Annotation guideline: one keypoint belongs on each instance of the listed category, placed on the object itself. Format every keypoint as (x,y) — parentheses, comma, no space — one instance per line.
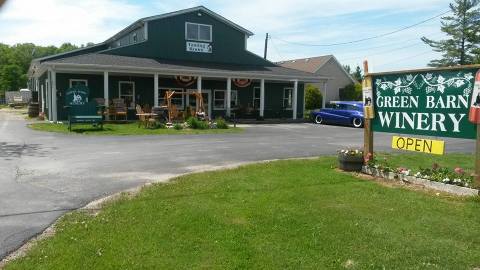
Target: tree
(463,38)
(12,78)
(357,74)
(351,92)
(348,69)
(313,97)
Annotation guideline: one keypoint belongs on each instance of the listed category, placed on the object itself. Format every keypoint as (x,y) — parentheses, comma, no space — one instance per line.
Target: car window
(342,106)
(353,108)
(330,105)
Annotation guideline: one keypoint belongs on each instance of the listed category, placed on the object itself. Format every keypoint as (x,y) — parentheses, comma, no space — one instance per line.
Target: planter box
(453,189)
(350,163)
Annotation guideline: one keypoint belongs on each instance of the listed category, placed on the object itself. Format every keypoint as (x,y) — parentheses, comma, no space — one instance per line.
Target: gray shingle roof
(312,64)
(114,62)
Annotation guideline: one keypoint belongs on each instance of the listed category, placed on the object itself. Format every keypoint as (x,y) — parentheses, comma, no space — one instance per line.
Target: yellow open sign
(418,145)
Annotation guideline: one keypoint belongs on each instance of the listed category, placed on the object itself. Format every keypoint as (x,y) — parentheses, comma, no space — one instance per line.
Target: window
(126,91)
(219,99)
(198,32)
(177,100)
(134,37)
(256,97)
(74,82)
(287,98)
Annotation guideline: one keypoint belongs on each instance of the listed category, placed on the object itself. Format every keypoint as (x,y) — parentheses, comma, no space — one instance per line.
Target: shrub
(352,92)
(194,123)
(177,126)
(221,123)
(313,97)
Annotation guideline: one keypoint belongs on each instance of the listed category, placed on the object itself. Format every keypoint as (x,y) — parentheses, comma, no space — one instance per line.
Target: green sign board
(431,103)
(76,95)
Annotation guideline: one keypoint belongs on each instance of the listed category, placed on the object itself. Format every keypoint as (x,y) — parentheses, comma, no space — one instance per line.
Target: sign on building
(76,95)
(199,47)
(432,103)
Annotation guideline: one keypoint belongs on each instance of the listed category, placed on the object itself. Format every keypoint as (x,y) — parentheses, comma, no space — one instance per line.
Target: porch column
(48,91)
(262,97)
(199,84)
(294,99)
(229,96)
(155,90)
(42,100)
(324,94)
(53,77)
(105,93)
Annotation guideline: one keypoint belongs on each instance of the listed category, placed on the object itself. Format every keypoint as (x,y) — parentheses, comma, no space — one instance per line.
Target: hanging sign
(474,113)
(76,95)
(418,145)
(242,82)
(367,98)
(199,47)
(185,81)
(431,103)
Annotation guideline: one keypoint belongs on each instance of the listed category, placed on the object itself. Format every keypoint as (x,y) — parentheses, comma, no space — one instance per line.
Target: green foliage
(461,47)
(357,74)
(221,123)
(352,92)
(313,97)
(15,61)
(177,126)
(195,123)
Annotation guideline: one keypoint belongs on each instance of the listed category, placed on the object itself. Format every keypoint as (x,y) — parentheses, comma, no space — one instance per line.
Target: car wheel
(357,122)
(318,119)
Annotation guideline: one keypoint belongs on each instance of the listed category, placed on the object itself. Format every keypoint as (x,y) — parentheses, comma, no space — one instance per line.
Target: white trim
(155,90)
(284,98)
(262,97)
(106,90)
(228,98)
(77,80)
(145,28)
(133,88)
(199,84)
(198,32)
(53,77)
(294,99)
(43,98)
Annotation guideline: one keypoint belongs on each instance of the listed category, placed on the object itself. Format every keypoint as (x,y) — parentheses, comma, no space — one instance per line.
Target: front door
(192,101)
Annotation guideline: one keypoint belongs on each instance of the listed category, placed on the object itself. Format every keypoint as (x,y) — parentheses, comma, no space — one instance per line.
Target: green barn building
(188,50)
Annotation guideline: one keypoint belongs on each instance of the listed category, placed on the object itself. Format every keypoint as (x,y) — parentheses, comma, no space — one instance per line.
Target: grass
(416,160)
(123,129)
(298,214)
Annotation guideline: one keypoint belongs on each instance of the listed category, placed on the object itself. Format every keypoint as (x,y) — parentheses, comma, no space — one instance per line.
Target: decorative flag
(185,81)
(474,113)
(368,112)
(242,82)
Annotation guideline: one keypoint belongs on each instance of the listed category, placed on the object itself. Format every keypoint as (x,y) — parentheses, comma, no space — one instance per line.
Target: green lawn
(298,214)
(123,129)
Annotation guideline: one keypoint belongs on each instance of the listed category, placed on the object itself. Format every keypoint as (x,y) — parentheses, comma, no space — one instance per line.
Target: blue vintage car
(340,112)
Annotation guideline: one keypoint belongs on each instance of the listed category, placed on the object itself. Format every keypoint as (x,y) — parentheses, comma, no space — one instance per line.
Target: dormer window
(198,32)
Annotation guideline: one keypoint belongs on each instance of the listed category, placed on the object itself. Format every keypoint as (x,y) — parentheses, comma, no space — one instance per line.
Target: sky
(311,22)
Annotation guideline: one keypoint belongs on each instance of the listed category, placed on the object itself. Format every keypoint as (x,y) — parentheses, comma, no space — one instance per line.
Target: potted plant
(350,160)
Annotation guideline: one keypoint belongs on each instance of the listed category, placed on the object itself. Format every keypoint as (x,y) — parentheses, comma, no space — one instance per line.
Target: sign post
(367,91)
(474,117)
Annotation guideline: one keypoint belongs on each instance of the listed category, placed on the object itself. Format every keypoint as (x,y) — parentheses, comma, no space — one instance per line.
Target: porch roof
(128,64)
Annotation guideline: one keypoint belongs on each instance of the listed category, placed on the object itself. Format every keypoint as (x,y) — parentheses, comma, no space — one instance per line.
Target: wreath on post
(242,82)
(185,81)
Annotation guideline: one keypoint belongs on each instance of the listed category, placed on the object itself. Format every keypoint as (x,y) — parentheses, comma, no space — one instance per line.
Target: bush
(221,123)
(177,126)
(313,97)
(351,92)
(194,123)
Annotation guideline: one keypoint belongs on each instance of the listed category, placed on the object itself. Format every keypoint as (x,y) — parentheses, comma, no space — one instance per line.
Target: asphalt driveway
(43,175)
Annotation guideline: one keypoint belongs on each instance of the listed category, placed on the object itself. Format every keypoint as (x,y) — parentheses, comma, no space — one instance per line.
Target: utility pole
(266,47)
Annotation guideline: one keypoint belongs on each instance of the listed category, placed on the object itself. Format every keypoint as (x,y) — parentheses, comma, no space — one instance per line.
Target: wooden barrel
(33,109)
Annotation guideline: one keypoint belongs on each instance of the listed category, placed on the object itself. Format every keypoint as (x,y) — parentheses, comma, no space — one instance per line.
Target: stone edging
(452,189)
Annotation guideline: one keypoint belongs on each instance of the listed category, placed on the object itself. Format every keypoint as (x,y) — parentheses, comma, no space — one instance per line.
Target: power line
(404,58)
(363,39)
(384,52)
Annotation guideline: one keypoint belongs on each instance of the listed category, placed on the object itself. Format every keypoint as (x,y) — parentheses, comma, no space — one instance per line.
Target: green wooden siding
(166,40)
(144,93)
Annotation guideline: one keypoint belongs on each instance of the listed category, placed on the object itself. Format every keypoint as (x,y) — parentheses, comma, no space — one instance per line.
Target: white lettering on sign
(199,47)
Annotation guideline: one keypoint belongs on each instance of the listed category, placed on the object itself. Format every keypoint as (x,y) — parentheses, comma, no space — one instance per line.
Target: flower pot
(350,163)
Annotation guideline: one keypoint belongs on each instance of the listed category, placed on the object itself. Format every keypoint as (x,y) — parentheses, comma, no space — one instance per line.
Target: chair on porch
(120,108)
(141,118)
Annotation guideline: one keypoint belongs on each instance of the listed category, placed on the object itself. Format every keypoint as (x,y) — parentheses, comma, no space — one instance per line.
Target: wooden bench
(87,113)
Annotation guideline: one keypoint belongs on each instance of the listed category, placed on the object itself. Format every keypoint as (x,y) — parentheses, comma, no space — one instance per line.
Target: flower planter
(452,189)
(350,163)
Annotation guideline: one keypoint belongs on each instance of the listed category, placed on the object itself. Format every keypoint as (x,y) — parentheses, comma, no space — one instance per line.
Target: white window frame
(70,82)
(234,93)
(215,108)
(161,98)
(286,98)
(198,32)
(259,98)
(134,38)
(133,94)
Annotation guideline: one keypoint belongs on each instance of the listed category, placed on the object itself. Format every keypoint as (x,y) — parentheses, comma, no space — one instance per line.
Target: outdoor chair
(141,118)
(120,108)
